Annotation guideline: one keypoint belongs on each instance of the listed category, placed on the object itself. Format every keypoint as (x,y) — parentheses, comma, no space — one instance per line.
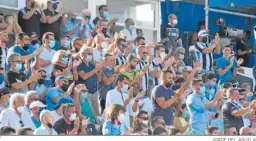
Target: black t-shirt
(53,27)
(14,77)
(172,44)
(30,25)
(62,127)
(229,119)
(240,46)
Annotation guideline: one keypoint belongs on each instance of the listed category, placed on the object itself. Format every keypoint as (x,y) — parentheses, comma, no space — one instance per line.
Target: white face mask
(72,117)
(175,21)
(104,45)
(145,122)
(152,52)
(162,55)
(124,88)
(20,109)
(121,118)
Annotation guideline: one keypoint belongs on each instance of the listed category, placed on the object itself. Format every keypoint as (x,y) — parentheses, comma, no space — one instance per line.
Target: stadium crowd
(61,75)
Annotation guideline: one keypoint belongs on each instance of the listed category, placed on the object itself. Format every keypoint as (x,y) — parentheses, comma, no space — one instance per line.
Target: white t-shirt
(55,116)
(130,36)
(97,55)
(9,118)
(47,55)
(43,131)
(114,97)
(3,57)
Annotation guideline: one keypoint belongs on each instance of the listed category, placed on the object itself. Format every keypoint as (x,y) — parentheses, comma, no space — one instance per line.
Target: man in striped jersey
(121,44)
(205,50)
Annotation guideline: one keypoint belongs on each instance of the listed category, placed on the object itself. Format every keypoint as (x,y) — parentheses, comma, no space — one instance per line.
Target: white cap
(203,33)
(37,104)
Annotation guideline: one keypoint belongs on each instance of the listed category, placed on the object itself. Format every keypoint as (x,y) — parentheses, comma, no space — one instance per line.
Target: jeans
(93,99)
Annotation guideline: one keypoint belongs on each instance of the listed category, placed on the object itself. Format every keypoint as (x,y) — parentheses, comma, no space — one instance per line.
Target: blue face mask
(52,44)
(181,69)
(212,85)
(131,27)
(7,103)
(84,95)
(67,44)
(18,67)
(1,78)
(106,15)
(185,114)
(202,91)
(65,60)
(89,58)
(182,56)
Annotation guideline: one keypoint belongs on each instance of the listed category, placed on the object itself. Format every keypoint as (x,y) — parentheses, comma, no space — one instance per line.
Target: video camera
(232,33)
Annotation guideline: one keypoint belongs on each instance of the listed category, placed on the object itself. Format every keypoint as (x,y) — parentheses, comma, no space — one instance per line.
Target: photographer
(243,52)
(30,17)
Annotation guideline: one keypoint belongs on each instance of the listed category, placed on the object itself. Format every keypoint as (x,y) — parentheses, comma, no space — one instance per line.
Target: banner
(231,3)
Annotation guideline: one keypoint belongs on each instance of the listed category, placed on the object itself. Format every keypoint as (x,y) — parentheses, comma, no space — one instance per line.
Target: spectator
(243,52)
(159,131)
(53,19)
(204,51)
(65,43)
(169,42)
(90,75)
(98,52)
(14,116)
(62,90)
(198,107)
(231,131)
(44,60)
(77,44)
(72,25)
(210,85)
(7,131)
(47,124)
(139,128)
(217,121)
(212,131)
(35,112)
(108,77)
(4,98)
(58,109)
(30,17)
(69,124)
(115,121)
(30,97)
(179,53)
(139,41)
(157,121)
(174,131)
(249,94)
(122,96)
(35,42)
(201,26)
(40,88)
(245,131)
(226,66)
(121,45)
(4,39)
(129,30)
(144,117)
(25,132)
(88,27)
(233,112)
(15,79)
(179,120)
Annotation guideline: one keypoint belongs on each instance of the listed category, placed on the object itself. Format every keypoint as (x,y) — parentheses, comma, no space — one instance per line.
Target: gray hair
(171,15)
(84,49)
(11,58)
(14,97)
(179,49)
(43,114)
(28,96)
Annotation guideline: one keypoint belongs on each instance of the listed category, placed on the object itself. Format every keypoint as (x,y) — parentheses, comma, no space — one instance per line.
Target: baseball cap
(53,1)
(63,101)
(33,34)
(203,33)
(60,77)
(36,104)
(4,91)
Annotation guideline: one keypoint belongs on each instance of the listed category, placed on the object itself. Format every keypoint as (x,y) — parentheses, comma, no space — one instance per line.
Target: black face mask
(64,87)
(25,47)
(34,42)
(49,125)
(205,40)
(88,18)
(73,19)
(54,6)
(133,67)
(40,81)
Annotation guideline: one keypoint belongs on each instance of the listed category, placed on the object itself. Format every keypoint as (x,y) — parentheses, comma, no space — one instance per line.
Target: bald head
(128,22)
(72,15)
(244,131)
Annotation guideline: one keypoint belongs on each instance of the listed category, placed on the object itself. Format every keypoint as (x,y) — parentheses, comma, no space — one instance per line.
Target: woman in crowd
(139,128)
(179,120)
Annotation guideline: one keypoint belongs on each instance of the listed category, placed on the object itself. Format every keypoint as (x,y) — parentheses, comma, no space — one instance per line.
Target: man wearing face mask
(90,75)
(138,42)
(170,42)
(88,27)
(198,107)
(101,46)
(43,61)
(62,90)
(179,53)
(53,19)
(30,97)
(15,79)
(46,127)
(129,30)
(65,43)
(4,98)
(121,95)
(205,50)
(58,108)
(34,40)
(121,45)
(70,124)
(72,25)
(14,116)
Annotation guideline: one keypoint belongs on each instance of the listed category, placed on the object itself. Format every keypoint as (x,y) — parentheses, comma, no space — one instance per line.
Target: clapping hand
(219,95)
(217,39)
(70,88)
(197,65)
(80,88)
(77,123)
(240,61)
(86,121)
(140,94)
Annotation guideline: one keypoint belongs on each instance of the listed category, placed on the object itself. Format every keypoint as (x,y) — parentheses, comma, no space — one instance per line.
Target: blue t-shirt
(71,26)
(50,95)
(167,114)
(103,89)
(110,129)
(222,63)
(36,123)
(92,82)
